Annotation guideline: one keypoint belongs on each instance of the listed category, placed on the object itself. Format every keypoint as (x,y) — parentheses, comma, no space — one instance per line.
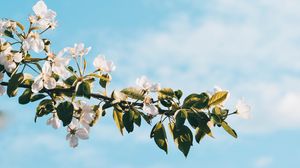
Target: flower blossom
(149,107)
(54,121)
(103,65)
(2,89)
(144,83)
(243,109)
(59,64)
(86,113)
(7,25)
(78,50)
(75,132)
(44,79)
(34,42)
(44,17)
(9,59)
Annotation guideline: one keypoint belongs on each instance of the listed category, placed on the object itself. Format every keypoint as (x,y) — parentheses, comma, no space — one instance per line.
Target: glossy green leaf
(128,120)
(25,97)
(118,120)
(14,83)
(37,97)
(134,93)
(198,101)
(180,117)
(166,93)
(178,94)
(228,129)
(159,134)
(183,139)
(218,98)
(199,135)
(65,112)
(84,89)
(45,107)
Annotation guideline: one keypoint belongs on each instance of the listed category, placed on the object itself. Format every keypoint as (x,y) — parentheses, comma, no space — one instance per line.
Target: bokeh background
(251,48)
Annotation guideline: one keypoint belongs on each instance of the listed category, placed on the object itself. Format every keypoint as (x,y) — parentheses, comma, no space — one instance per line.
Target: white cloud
(251,48)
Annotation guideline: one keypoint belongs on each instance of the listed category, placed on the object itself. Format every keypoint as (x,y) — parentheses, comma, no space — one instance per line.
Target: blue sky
(248,47)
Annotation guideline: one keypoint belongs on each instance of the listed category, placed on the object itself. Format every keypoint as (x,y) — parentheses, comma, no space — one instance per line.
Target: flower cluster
(62,84)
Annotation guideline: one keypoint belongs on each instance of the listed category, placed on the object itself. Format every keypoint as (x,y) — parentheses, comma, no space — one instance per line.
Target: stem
(72,90)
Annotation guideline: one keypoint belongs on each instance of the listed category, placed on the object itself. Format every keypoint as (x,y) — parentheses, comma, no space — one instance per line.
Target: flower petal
(49,83)
(37,85)
(82,133)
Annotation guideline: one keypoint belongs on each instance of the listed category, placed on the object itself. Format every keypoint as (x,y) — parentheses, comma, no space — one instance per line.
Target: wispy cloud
(249,47)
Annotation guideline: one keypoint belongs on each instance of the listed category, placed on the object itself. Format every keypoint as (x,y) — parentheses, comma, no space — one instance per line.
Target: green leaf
(199,120)
(8,33)
(134,93)
(14,83)
(45,107)
(137,118)
(218,98)
(1,68)
(84,90)
(166,102)
(180,117)
(118,120)
(65,112)
(25,97)
(198,101)
(183,139)
(37,97)
(166,93)
(146,118)
(70,81)
(128,119)
(178,94)
(199,135)
(160,137)
(104,81)
(228,129)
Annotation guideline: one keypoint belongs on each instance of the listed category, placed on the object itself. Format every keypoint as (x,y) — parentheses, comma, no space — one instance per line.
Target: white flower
(150,109)
(76,132)
(9,59)
(78,50)
(87,114)
(44,79)
(44,17)
(7,25)
(144,83)
(34,42)
(54,121)
(102,64)
(2,89)
(243,109)
(59,64)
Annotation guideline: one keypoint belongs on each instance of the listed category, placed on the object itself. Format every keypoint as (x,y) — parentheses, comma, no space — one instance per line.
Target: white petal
(18,57)
(37,84)
(68,136)
(2,90)
(26,45)
(40,8)
(82,133)
(243,109)
(47,68)
(37,45)
(155,87)
(49,83)
(10,66)
(73,141)
(150,109)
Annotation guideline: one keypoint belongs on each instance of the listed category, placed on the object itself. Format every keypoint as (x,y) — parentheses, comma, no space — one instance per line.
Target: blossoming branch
(59,81)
